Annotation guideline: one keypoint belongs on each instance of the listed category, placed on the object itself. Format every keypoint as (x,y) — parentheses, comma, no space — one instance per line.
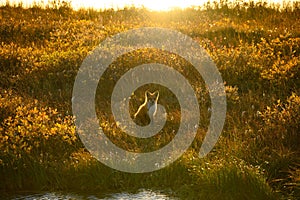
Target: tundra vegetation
(256,49)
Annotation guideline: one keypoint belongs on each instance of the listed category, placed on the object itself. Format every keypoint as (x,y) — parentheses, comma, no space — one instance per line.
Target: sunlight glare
(154,5)
(159,5)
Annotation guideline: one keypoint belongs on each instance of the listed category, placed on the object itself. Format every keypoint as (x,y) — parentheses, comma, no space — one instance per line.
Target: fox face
(147,110)
(152,99)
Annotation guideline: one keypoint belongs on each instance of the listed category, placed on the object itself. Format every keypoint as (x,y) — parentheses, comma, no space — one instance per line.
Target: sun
(163,5)
(159,5)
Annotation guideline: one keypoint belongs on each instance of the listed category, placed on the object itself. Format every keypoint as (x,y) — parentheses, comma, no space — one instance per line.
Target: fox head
(151,98)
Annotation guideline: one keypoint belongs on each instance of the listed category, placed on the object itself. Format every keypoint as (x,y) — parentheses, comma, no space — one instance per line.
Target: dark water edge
(140,194)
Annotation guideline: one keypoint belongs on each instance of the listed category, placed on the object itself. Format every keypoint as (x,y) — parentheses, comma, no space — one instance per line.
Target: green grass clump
(256,49)
(227,180)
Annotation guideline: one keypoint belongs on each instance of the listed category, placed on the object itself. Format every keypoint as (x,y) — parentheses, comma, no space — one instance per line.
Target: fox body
(147,110)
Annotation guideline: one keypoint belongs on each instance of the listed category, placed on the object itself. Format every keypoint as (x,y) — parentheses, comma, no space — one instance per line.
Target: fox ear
(147,93)
(156,93)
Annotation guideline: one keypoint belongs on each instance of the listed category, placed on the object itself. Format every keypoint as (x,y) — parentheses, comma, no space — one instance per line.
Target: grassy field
(255,47)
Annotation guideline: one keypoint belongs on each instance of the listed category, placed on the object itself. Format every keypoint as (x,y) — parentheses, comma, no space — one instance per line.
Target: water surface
(141,194)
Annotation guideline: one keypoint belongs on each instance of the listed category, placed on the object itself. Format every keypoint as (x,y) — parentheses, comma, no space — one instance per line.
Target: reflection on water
(141,194)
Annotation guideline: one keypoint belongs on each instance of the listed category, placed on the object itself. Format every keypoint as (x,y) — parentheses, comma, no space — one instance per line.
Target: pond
(141,194)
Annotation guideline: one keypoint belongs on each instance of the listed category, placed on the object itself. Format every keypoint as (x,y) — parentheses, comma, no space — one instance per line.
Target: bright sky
(150,4)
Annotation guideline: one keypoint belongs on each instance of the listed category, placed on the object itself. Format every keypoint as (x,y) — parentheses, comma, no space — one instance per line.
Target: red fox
(147,110)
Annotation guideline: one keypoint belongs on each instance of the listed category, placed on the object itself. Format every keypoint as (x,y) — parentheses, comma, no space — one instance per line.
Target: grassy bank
(256,49)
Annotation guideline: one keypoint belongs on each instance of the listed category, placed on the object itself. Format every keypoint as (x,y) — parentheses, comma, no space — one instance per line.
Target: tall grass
(256,49)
